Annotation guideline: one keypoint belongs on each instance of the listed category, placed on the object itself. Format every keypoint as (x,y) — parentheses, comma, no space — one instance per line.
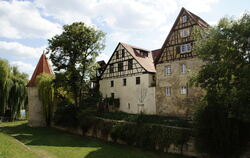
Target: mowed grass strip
(52,143)
(11,148)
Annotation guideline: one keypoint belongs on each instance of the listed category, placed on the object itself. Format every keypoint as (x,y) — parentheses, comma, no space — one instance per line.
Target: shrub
(217,134)
(66,115)
(155,119)
(141,135)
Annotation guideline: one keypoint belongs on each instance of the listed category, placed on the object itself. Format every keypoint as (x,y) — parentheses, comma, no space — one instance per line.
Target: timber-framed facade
(130,76)
(176,64)
(156,82)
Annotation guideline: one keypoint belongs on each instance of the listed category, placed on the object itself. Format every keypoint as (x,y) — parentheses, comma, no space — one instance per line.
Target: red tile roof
(146,62)
(43,66)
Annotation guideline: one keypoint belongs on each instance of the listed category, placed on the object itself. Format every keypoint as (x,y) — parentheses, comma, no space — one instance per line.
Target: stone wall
(177,104)
(36,117)
(93,131)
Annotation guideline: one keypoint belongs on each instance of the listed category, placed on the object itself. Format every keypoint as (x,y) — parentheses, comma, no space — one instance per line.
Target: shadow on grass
(42,136)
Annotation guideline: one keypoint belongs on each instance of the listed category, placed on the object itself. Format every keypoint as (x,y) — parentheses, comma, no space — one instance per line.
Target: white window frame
(184,19)
(183,68)
(183,90)
(168,70)
(168,91)
(184,48)
(185,32)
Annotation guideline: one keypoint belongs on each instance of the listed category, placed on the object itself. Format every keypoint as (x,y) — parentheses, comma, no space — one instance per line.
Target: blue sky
(26,25)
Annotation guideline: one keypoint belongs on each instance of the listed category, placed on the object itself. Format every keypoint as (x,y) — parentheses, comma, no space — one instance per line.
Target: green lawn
(17,140)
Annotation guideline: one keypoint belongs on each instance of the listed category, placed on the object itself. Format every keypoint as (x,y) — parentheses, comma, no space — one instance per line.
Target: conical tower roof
(43,66)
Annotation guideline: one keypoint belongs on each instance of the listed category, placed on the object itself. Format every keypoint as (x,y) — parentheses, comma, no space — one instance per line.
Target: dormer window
(184,19)
(142,52)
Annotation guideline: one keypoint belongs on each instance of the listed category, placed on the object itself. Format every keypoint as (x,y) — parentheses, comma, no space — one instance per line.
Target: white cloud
(198,6)
(117,14)
(23,67)
(19,51)
(118,37)
(21,19)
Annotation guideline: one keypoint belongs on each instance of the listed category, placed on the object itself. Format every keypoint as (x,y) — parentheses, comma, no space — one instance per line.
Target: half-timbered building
(175,65)
(130,76)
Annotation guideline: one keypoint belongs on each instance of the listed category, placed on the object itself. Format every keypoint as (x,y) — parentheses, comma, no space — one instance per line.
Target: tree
(4,73)
(45,86)
(73,55)
(12,90)
(17,91)
(222,122)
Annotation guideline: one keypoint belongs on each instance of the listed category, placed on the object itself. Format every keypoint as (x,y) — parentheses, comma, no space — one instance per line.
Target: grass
(11,148)
(51,143)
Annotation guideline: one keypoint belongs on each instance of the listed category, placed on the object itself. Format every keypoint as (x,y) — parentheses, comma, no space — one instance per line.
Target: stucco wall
(36,117)
(177,104)
(130,94)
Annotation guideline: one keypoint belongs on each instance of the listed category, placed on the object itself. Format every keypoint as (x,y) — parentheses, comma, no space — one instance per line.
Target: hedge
(148,136)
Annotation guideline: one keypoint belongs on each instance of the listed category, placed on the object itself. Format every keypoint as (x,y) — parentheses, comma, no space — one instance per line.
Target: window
(120,66)
(128,105)
(186,48)
(117,55)
(168,70)
(111,68)
(124,82)
(184,33)
(123,53)
(130,64)
(178,50)
(184,19)
(138,80)
(112,83)
(168,91)
(183,68)
(183,89)
(112,95)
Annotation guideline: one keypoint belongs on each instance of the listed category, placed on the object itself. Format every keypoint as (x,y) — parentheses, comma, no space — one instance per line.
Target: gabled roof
(196,18)
(102,64)
(146,62)
(43,66)
(156,53)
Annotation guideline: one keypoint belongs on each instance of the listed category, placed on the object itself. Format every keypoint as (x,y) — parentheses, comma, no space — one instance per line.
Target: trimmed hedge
(155,119)
(148,136)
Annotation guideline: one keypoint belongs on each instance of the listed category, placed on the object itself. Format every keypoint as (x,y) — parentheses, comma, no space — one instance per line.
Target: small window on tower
(111,83)
(184,19)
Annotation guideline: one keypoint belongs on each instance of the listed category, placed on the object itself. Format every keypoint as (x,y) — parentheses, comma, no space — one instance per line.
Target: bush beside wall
(147,136)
